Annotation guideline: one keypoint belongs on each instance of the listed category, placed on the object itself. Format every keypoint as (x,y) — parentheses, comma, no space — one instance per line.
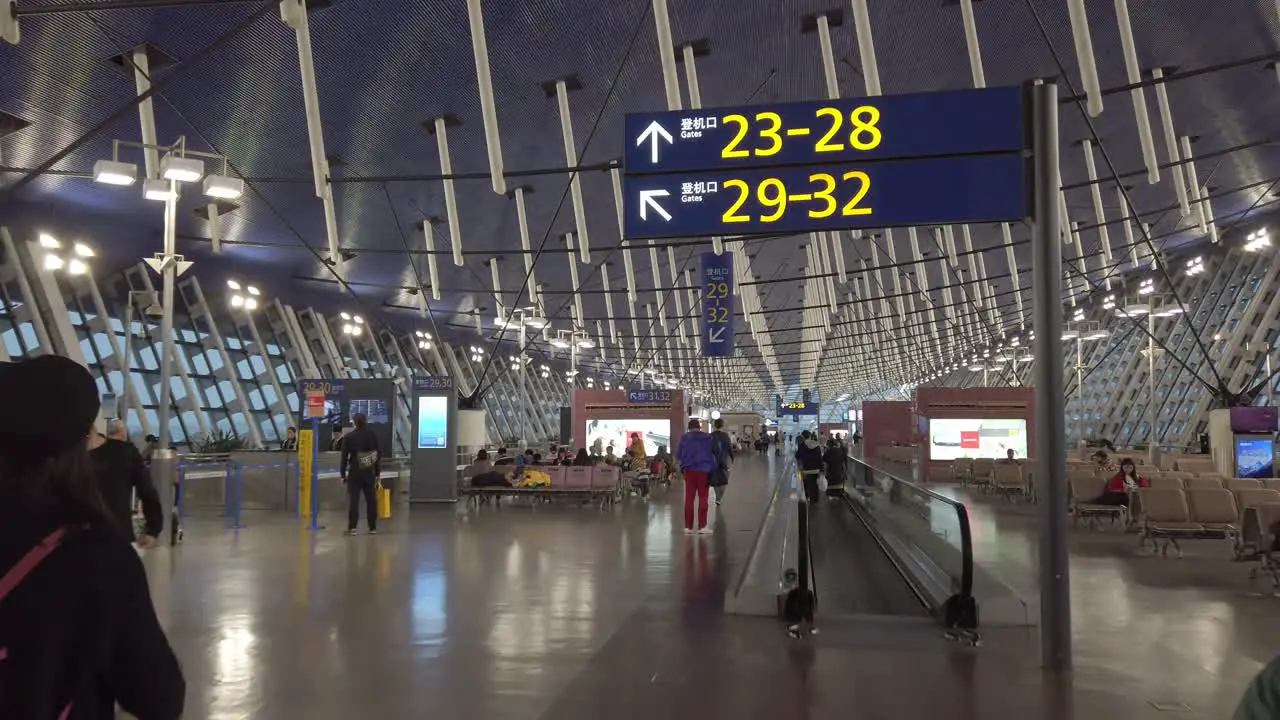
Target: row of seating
(1171,515)
(603,483)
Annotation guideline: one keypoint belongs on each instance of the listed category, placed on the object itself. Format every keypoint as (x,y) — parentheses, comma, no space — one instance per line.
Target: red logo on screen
(970,439)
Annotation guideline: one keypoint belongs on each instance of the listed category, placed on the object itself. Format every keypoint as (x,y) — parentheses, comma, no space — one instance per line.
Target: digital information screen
(433,421)
(1255,457)
(917,159)
(373,409)
(951,438)
(652,431)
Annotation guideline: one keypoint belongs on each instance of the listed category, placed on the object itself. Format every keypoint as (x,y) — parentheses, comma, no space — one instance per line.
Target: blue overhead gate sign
(896,160)
(716,272)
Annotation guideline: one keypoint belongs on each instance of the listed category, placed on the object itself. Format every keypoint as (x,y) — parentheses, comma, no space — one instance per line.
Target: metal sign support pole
(1051,450)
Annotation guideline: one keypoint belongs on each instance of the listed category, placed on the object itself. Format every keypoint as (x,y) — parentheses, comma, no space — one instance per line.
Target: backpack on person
(19,572)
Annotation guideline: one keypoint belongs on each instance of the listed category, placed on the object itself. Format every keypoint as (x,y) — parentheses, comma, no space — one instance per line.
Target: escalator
(853,574)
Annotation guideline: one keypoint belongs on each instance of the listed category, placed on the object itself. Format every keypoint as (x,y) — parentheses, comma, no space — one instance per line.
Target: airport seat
(1084,489)
(1203,482)
(1197,464)
(1214,509)
(1235,484)
(962,470)
(1165,515)
(573,478)
(1006,479)
(1257,539)
(1271,483)
(1249,541)
(605,478)
(1173,515)
(1164,482)
(982,469)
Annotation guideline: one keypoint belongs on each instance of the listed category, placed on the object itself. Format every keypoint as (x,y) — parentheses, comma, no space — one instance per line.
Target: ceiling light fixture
(223,187)
(159,190)
(114,172)
(181,169)
(1257,240)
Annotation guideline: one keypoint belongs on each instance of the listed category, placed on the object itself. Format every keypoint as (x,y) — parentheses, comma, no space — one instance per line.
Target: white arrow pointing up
(652,133)
(716,335)
(648,199)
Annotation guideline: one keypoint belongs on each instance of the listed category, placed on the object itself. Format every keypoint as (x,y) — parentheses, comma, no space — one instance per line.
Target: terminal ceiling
(385,69)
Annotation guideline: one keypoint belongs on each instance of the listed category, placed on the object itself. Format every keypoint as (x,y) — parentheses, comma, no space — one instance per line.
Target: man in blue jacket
(696,454)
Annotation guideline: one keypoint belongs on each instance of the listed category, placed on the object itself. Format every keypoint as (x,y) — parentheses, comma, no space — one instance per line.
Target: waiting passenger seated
(483,473)
(1123,485)
(582,459)
(1009,457)
(504,458)
(1103,461)
(480,465)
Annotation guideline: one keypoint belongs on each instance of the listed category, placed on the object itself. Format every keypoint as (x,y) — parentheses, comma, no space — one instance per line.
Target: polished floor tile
(565,612)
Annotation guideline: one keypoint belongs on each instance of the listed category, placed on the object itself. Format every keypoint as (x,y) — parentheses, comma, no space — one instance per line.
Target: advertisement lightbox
(952,438)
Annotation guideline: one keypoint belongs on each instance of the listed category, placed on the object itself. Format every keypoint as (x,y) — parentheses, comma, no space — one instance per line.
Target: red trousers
(695,490)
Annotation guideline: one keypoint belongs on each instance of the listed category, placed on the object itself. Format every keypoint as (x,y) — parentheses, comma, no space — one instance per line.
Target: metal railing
(926,534)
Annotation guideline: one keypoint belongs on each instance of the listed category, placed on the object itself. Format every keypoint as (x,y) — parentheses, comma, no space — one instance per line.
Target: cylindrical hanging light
(575,178)
(1099,213)
(667,54)
(627,262)
(828,58)
(484,84)
(497,284)
(428,234)
(1171,142)
(578,320)
(837,252)
(1201,195)
(1128,228)
(1084,56)
(1133,73)
(608,303)
(866,47)
(971,42)
(450,198)
(522,219)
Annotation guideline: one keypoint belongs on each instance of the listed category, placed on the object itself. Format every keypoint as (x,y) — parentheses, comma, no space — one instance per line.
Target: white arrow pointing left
(649,199)
(652,133)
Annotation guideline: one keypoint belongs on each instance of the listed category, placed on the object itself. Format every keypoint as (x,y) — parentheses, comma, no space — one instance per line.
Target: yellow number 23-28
(772,196)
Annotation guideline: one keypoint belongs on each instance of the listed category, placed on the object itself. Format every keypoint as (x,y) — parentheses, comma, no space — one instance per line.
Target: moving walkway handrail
(965,539)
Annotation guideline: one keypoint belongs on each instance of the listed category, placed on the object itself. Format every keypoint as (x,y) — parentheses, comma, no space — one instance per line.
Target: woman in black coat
(836,460)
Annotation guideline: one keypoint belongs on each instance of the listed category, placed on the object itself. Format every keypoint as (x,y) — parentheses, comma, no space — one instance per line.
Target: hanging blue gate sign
(717,304)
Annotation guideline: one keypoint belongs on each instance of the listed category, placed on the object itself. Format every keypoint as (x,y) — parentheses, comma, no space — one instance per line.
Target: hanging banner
(716,272)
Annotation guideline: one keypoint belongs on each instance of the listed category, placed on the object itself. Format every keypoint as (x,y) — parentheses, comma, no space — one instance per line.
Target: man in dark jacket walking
(121,473)
(809,460)
(360,467)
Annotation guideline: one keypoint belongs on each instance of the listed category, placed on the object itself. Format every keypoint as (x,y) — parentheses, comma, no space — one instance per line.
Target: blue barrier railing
(232,488)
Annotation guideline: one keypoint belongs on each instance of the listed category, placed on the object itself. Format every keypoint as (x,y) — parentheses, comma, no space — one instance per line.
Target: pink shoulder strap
(30,561)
